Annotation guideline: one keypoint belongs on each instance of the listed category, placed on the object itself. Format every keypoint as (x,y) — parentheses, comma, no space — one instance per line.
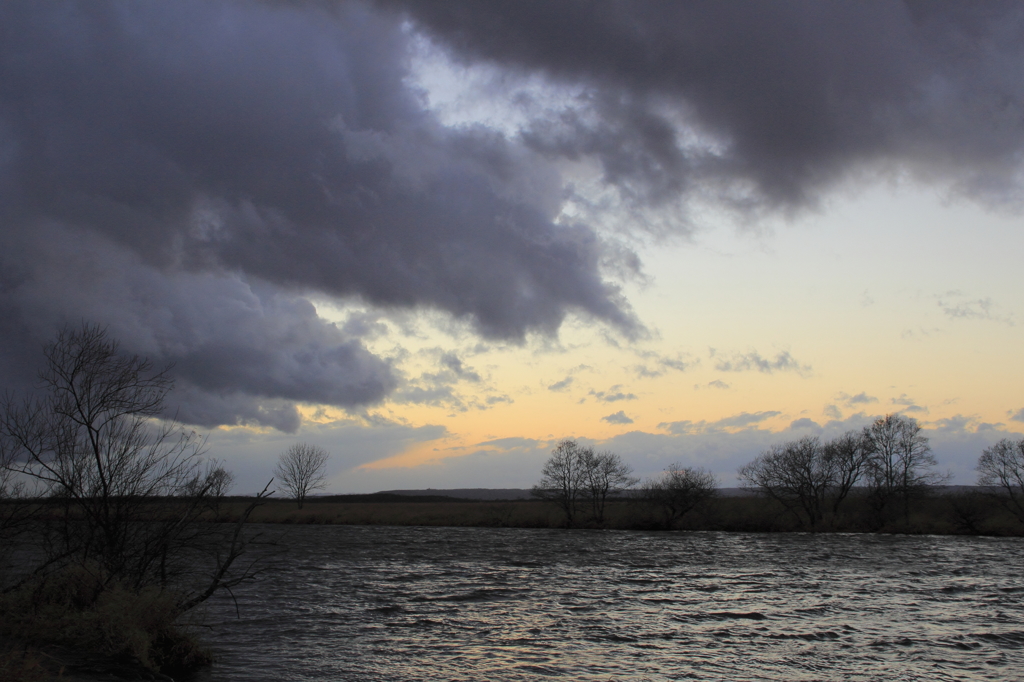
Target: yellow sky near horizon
(879,295)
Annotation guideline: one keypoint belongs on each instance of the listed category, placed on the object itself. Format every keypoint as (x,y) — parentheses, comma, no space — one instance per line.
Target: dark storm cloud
(185,173)
(762,104)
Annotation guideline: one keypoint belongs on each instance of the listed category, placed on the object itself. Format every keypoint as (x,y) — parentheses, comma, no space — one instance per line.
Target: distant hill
(504,493)
(465,493)
(480,494)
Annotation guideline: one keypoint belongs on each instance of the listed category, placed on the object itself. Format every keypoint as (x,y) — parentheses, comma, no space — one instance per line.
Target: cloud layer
(191,174)
(188,173)
(763,106)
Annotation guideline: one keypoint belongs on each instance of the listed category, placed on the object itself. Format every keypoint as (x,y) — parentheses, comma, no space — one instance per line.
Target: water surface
(383,603)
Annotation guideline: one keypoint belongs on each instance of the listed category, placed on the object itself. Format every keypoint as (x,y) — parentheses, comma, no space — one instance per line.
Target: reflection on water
(378,603)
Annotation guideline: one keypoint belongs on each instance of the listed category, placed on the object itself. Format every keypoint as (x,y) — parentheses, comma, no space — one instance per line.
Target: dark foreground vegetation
(106,540)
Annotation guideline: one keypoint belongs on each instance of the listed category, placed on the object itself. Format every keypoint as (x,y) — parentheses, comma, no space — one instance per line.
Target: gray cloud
(717,383)
(746,418)
(958,306)
(458,368)
(612,395)
(561,385)
(188,173)
(661,365)
(906,404)
(617,418)
(1018,416)
(861,398)
(832,412)
(743,420)
(783,362)
(805,424)
(514,443)
(191,173)
(443,387)
(763,106)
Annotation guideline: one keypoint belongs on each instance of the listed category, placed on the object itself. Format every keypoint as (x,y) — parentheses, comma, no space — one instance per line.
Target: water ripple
(376,603)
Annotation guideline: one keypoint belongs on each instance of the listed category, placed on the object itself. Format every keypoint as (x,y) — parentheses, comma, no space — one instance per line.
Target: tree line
(867,479)
(580,482)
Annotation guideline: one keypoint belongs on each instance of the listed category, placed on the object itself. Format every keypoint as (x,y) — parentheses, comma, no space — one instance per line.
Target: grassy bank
(944,514)
(77,624)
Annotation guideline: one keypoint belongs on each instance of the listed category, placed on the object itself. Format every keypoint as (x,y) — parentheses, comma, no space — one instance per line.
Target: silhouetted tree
(806,475)
(130,486)
(900,463)
(847,458)
(16,513)
(1001,471)
(563,478)
(795,474)
(301,470)
(604,473)
(677,491)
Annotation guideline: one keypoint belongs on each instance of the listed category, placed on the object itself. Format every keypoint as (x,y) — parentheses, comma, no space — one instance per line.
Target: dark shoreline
(958,512)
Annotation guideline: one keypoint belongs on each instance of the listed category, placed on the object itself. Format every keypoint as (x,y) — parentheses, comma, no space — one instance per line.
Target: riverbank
(74,625)
(961,513)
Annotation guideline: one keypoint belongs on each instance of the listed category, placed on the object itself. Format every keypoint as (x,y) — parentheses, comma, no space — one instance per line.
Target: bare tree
(900,463)
(215,482)
(563,478)
(847,458)
(16,512)
(796,475)
(301,470)
(804,475)
(1001,469)
(124,488)
(678,491)
(604,474)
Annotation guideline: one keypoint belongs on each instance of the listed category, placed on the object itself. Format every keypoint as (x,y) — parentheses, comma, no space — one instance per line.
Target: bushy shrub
(79,608)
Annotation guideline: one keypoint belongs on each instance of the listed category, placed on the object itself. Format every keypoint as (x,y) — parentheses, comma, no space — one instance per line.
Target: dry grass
(22,664)
(74,608)
(514,513)
(935,514)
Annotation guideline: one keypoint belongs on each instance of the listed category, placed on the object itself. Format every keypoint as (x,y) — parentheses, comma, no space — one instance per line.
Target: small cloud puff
(561,385)
(617,418)
(754,361)
(740,421)
(612,395)
(717,383)
(907,404)
(659,365)
(958,306)
(832,412)
(861,398)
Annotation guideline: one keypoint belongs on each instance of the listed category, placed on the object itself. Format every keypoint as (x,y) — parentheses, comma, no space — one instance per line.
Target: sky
(436,238)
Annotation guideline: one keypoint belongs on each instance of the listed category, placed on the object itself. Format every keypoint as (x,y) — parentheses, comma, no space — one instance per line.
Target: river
(398,603)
